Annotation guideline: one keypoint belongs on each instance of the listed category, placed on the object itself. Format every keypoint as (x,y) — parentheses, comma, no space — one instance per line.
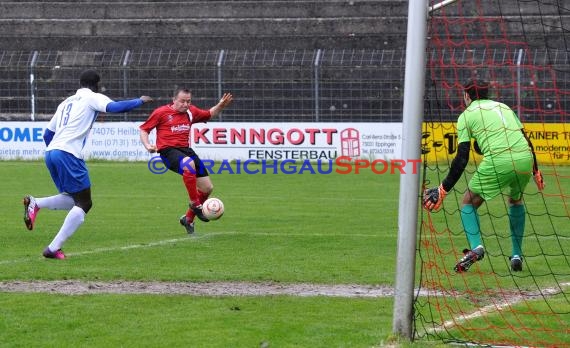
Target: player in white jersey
(65,137)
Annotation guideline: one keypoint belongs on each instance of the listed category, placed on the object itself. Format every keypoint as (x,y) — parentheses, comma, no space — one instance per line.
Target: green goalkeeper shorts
(495,175)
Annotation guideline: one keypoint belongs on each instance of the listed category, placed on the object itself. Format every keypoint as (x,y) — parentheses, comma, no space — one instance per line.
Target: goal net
(522,47)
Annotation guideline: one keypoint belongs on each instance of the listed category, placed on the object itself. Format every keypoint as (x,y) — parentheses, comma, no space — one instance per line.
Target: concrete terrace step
(203,26)
(214,24)
(201,42)
(136,28)
(200,9)
(252,9)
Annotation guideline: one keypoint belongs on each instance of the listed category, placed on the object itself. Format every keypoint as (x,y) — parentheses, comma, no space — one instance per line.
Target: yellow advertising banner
(551,142)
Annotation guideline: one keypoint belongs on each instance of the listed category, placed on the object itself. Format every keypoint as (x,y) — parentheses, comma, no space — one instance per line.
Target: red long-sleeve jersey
(173,127)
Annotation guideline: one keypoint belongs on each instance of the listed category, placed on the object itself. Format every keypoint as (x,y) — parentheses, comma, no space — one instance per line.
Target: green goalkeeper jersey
(495,127)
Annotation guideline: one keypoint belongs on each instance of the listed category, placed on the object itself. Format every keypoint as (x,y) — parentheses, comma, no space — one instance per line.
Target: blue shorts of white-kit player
(68,172)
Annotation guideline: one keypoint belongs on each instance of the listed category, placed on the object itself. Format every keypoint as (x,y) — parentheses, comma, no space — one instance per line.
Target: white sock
(72,221)
(57,202)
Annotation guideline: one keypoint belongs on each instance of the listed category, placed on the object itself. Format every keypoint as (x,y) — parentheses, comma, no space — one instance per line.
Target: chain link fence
(268,85)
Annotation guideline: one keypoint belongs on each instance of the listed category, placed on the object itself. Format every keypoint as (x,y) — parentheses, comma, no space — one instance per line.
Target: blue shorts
(68,172)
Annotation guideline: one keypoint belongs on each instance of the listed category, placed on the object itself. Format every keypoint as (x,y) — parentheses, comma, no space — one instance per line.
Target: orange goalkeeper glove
(433,197)
(539,181)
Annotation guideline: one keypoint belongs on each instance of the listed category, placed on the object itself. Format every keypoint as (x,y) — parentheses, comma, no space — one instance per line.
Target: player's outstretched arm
(127,105)
(226,100)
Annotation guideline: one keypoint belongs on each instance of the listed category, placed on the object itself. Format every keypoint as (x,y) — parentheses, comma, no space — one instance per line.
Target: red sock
(190,215)
(190,183)
(202,196)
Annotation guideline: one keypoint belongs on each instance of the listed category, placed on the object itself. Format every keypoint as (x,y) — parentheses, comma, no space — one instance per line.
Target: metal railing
(324,85)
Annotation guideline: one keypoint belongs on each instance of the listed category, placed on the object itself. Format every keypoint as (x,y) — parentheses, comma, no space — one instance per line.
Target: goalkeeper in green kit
(508,163)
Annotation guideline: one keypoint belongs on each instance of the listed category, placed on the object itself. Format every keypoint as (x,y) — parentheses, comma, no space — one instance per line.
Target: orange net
(523,49)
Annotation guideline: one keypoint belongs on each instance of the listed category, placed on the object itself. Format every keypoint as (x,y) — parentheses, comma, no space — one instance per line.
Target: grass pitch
(323,229)
(278,228)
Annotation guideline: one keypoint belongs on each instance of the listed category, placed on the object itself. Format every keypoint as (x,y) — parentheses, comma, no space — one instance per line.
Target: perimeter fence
(324,85)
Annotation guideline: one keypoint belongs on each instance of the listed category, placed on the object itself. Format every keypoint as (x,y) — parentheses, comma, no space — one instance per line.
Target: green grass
(284,228)
(278,228)
(186,321)
(325,229)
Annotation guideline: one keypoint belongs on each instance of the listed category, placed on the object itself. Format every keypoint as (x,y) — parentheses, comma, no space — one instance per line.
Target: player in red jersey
(173,123)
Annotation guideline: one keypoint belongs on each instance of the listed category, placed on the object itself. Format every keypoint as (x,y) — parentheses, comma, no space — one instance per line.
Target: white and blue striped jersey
(73,120)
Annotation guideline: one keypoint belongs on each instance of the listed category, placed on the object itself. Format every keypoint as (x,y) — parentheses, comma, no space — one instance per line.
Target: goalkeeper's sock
(517,222)
(470,221)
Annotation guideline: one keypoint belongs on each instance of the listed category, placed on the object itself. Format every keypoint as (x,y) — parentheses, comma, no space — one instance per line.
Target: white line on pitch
(493,308)
(151,244)
(132,246)
(186,239)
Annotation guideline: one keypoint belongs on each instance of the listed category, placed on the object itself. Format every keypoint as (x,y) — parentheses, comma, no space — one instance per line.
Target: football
(213,208)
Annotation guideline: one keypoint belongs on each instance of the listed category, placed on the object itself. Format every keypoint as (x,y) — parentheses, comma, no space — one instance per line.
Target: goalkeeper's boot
(516,263)
(469,258)
(197,210)
(188,225)
(30,211)
(58,254)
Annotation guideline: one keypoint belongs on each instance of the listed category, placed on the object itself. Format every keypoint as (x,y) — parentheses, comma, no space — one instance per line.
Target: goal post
(409,183)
